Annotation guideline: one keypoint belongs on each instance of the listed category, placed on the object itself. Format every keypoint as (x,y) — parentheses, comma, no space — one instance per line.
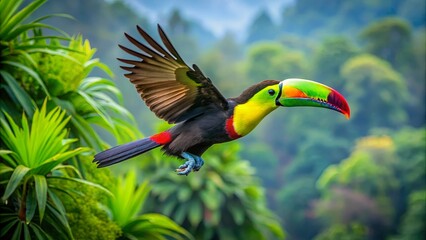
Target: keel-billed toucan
(183,95)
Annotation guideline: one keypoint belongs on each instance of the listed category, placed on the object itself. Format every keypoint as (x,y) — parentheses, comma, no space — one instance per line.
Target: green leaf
(15,180)
(17,233)
(30,72)
(216,179)
(41,194)
(26,232)
(71,168)
(237,213)
(57,202)
(39,232)
(19,93)
(181,212)
(211,203)
(4,169)
(89,65)
(195,213)
(54,52)
(59,222)
(14,220)
(19,17)
(8,9)
(168,207)
(39,48)
(51,163)
(275,228)
(155,223)
(61,15)
(86,132)
(184,193)
(139,196)
(88,183)
(126,190)
(32,26)
(7,217)
(31,205)
(5,156)
(99,110)
(215,218)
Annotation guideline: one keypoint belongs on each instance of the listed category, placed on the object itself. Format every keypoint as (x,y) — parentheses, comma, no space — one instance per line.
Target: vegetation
(225,202)
(44,193)
(134,226)
(34,175)
(320,176)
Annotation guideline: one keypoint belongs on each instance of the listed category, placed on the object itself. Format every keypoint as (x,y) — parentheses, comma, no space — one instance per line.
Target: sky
(219,16)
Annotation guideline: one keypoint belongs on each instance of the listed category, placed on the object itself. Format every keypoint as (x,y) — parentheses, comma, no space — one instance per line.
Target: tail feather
(123,152)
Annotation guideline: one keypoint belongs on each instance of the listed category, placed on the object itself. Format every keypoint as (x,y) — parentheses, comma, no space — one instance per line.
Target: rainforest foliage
(302,174)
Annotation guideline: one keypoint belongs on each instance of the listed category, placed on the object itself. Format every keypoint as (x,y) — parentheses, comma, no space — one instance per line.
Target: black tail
(123,152)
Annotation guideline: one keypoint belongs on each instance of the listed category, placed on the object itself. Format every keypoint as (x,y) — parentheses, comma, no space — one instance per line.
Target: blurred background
(321,175)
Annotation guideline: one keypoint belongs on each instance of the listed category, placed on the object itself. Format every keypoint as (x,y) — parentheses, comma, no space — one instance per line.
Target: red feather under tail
(123,152)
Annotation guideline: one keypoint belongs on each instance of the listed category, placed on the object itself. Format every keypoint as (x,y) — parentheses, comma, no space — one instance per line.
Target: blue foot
(193,163)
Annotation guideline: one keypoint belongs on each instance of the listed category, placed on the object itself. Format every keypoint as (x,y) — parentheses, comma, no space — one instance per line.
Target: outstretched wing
(170,88)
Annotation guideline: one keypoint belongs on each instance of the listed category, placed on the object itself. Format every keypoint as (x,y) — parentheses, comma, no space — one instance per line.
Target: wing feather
(170,88)
(155,56)
(168,44)
(154,44)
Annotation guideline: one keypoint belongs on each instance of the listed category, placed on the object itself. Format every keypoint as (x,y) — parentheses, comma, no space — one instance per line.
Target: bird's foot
(193,163)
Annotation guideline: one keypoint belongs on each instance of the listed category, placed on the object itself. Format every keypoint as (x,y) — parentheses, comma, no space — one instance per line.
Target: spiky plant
(32,175)
(135,226)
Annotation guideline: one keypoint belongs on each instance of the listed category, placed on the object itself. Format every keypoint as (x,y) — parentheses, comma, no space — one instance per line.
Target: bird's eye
(271,92)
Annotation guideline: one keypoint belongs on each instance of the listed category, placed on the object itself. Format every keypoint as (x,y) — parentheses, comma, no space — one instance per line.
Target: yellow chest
(248,115)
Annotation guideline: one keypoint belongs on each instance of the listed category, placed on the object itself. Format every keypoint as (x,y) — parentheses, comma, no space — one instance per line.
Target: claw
(198,163)
(193,163)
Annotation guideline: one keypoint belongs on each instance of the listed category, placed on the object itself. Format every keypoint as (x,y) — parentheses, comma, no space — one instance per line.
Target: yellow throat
(247,115)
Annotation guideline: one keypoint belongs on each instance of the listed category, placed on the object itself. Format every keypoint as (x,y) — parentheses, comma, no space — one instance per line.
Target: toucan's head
(270,94)
(299,92)
(260,99)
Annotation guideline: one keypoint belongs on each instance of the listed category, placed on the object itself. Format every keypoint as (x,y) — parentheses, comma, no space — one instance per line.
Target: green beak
(300,92)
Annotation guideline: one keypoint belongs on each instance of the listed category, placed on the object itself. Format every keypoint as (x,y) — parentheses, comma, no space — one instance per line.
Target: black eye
(271,92)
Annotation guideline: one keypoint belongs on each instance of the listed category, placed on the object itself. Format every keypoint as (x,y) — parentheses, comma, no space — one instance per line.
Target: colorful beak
(300,92)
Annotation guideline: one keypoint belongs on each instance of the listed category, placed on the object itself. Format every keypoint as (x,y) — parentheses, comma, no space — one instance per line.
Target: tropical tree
(363,183)
(413,224)
(35,66)
(374,158)
(221,65)
(388,39)
(269,60)
(298,219)
(414,73)
(262,28)
(365,74)
(225,201)
(410,143)
(328,59)
(33,175)
(179,28)
(352,232)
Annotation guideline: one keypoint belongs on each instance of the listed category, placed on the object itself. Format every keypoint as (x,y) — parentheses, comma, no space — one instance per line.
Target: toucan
(184,96)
